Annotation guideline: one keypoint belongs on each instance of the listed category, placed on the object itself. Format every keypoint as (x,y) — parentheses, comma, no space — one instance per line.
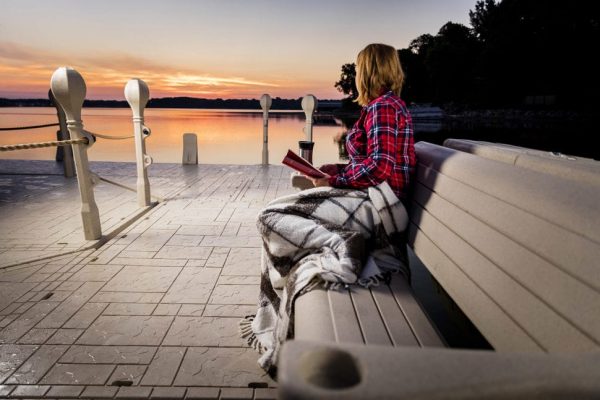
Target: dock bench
(515,245)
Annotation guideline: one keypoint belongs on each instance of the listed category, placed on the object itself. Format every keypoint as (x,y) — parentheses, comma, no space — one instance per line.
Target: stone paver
(167,309)
(5,390)
(30,391)
(65,336)
(265,394)
(65,392)
(243,261)
(191,310)
(86,315)
(234,294)
(157,306)
(78,374)
(129,309)
(108,355)
(127,297)
(193,285)
(128,373)
(25,322)
(99,273)
(133,392)
(229,310)
(168,393)
(237,394)
(36,336)
(126,330)
(184,252)
(234,367)
(99,392)
(164,366)
(12,357)
(12,291)
(142,279)
(204,331)
(37,365)
(69,307)
(202,393)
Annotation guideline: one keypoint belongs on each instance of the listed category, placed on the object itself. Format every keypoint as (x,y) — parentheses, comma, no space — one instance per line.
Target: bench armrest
(314,370)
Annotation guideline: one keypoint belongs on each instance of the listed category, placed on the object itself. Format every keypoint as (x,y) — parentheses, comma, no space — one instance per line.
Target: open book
(298,163)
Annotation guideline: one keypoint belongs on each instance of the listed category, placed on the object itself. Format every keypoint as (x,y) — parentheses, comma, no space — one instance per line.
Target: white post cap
(265,102)
(68,87)
(137,95)
(309,104)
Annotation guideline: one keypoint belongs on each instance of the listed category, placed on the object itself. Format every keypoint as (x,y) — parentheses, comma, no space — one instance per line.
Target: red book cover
(298,163)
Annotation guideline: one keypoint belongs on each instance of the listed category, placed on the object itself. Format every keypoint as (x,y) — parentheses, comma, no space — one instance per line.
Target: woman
(350,231)
(380,145)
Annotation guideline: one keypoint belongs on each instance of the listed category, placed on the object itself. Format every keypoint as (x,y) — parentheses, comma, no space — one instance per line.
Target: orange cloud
(27,70)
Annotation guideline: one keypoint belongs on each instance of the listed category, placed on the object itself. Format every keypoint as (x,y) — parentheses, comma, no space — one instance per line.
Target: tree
(347,83)
(482,18)
(532,48)
(421,44)
(449,61)
(416,82)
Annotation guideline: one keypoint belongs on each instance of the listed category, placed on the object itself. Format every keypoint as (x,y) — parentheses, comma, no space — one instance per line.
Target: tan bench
(516,248)
(387,314)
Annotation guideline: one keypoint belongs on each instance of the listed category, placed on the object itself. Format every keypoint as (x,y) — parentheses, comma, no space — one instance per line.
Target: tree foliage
(347,83)
(514,49)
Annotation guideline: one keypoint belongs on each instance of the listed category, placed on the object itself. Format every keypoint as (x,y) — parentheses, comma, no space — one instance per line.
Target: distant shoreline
(182,102)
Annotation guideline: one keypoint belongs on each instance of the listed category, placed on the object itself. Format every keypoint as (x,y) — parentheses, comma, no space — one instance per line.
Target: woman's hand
(329,169)
(320,181)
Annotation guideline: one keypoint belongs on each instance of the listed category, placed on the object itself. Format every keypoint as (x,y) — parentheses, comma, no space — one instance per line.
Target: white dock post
(190,149)
(309,105)
(265,104)
(64,154)
(68,87)
(137,95)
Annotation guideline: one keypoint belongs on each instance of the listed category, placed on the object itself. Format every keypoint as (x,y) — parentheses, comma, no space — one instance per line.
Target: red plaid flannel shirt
(380,146)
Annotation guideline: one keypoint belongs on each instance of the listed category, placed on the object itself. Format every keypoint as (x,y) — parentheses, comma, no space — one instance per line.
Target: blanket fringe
(374,280)
(315,282)
(371,281)
(248,335)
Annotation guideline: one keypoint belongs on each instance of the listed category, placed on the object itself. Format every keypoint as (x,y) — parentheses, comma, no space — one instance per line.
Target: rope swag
(12,147)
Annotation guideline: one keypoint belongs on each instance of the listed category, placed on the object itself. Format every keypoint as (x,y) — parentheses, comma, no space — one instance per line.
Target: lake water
(224,136)
(235,136)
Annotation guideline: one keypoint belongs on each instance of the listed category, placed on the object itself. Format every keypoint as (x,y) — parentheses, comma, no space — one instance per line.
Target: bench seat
(387,314)
(515,243)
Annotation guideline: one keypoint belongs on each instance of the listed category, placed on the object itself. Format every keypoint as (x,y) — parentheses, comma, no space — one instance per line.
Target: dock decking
(156,307)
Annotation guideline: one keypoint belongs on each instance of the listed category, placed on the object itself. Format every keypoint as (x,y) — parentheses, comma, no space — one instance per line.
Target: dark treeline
(177,102)
(515,53)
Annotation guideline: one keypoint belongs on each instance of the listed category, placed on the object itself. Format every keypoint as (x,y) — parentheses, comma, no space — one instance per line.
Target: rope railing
(67,92)
(111,137)
(69,89)
(25,146)
(21,128)
(56,143)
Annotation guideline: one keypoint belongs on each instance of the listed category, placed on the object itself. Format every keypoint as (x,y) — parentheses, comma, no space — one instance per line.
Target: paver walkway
(153,313)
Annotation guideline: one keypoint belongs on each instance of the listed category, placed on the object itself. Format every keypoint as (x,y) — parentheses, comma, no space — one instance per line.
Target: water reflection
(235,136)
(224,136)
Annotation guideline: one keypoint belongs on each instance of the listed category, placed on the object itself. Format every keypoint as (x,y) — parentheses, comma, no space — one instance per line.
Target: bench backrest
(517,249)
(584,170)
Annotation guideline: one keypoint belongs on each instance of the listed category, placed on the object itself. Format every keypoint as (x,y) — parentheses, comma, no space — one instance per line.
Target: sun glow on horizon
(27,73)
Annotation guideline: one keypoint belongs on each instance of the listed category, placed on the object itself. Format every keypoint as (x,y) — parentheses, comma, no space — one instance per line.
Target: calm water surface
(224,136)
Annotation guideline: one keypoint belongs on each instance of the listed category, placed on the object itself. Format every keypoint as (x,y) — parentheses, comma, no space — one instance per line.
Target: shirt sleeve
(381,126)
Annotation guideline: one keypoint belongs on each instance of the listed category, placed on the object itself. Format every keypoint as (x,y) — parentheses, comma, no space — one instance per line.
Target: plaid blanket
(321,236)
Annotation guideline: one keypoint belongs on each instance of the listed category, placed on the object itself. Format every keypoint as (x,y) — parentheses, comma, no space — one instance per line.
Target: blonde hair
(377,68)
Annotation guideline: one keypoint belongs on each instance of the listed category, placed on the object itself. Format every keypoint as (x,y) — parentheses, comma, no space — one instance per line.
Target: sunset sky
(204,48)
